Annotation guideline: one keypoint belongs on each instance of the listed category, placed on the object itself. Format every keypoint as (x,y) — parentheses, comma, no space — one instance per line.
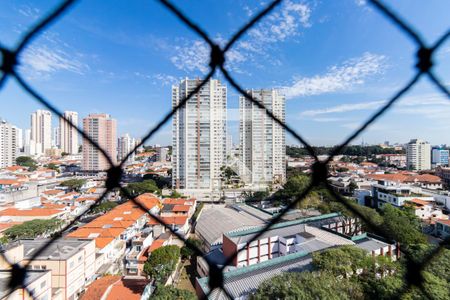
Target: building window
(43,284)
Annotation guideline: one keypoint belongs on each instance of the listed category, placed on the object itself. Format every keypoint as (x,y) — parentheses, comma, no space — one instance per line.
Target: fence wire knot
(424,56)
(217,57)
(9,61)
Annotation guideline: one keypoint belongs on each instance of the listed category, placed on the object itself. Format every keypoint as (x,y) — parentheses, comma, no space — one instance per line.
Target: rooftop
(213,222)
(30,277)
(245,280)
(60,249)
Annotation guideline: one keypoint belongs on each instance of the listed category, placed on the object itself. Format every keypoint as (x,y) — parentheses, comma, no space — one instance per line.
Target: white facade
(262,140)
(199,135)
(68,136)
(41,131)
(19,138)
(8,144)
(124,146)
(418,155)
(439,157)
(163,152)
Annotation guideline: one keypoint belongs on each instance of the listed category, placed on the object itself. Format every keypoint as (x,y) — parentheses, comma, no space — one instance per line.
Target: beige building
(71,263)
(68,135)
(41,131)
(418,155)
(101,128)
(37,285)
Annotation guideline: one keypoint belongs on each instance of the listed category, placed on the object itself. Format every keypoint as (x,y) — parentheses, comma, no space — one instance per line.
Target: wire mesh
(424,67)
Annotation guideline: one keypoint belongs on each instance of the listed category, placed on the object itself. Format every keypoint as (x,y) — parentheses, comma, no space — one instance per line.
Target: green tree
(73,184)
(26,161)
(104,207)
(160,181)
(342,261)
(175,194)
(33,229)
(162,263)
(187,251)
(352,187)
(64,154)
(402,225)
(138,188)
(52,166)
(169,292)
(308,285)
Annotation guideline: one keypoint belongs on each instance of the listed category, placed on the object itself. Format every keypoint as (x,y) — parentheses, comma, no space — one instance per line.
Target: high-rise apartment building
(162,154)
(418,155)
(101,128)
(19,139)
(199,135)
(262,140)
(8,144)
(124,146)
(68,135)
(439,157)
(41,131)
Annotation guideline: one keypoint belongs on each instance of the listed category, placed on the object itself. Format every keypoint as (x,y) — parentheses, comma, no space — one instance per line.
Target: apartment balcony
(131,265)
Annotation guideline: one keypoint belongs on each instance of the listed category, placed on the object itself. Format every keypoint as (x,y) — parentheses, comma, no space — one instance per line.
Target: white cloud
(343,108)
(29,11)
(351,73)
(282,24)
(165,79)
(433,106)
(41,61)
(360,2)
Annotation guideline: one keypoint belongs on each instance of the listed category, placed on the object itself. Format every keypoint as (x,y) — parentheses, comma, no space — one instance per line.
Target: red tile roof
(420,202)
(96,289)
(115,288)
(33,212)
(9,181)
(446,222)
(178,208)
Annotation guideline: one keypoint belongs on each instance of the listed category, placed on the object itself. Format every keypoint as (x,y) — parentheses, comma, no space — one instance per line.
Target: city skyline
(352,74)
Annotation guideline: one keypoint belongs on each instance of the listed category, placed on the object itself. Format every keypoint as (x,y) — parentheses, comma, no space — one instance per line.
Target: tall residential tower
(8,144)
(262,140)
(418,155)
(199,135)
(68,136)
(101,128)
(125,144)
(41,131)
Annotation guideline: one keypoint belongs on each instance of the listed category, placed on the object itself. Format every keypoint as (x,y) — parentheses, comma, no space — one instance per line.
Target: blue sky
(336,61)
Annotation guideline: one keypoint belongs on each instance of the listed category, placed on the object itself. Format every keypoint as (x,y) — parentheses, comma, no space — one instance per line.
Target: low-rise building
(443,228)
(23,215)
(113,231)
(68,262)
(285,247)
(395,194)
(425,210)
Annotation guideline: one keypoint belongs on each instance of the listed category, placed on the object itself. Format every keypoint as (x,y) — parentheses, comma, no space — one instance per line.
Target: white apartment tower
(101,128)
(8,144)
(418,155)
(124,146)
(68,136)
(262,140)
(41,131)
(199,135)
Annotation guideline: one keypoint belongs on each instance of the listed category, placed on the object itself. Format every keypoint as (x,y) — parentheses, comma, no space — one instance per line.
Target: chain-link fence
(424,66)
